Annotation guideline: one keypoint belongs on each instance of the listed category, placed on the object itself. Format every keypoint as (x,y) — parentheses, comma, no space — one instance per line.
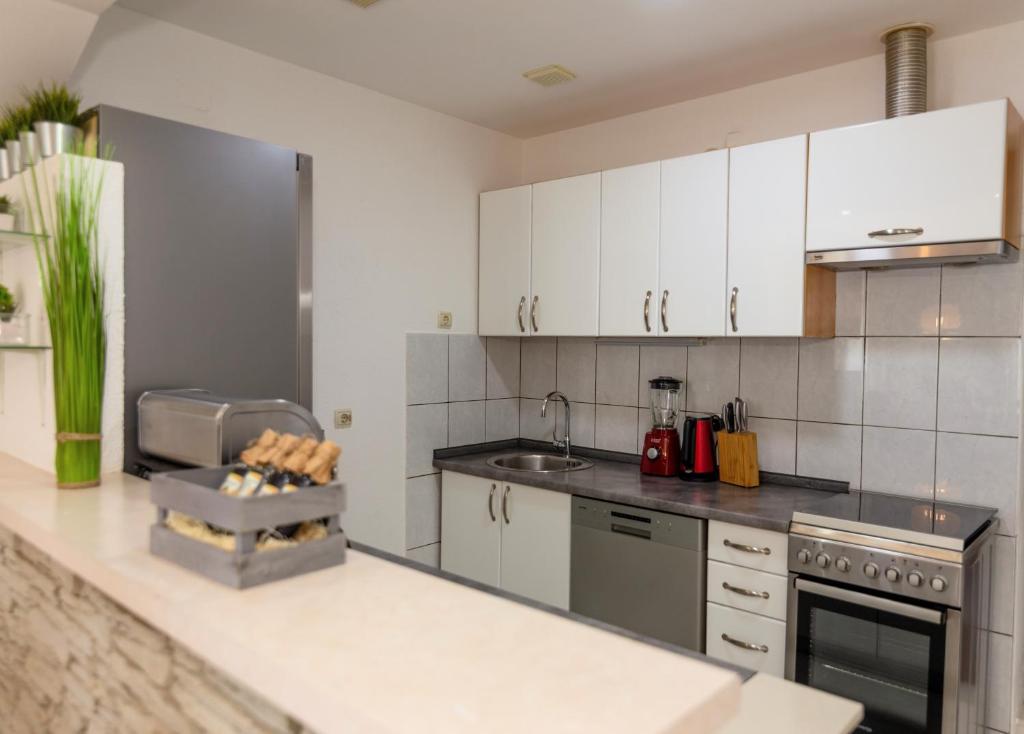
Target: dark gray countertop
(770,506)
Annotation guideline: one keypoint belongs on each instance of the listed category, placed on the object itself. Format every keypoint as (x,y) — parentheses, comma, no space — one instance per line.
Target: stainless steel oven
(892,619)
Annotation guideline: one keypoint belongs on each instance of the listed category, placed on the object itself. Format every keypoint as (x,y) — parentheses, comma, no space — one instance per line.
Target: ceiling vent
(364,3)
(549,76)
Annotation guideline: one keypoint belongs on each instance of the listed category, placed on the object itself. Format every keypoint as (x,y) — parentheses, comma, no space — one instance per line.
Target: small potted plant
(54,114)
(6,214)
(16,121)
(8,306)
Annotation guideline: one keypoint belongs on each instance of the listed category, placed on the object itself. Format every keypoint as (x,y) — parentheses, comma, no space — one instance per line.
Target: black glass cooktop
(881,514)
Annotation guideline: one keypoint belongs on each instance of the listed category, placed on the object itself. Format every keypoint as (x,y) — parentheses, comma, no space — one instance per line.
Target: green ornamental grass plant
(65,212)
(6,205)
(7,303)
(53,103)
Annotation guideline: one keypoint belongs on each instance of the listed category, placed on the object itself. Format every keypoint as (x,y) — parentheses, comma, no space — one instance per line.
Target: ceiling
(466,57)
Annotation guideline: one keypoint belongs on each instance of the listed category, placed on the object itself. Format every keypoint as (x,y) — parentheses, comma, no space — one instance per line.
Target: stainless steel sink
(539,463)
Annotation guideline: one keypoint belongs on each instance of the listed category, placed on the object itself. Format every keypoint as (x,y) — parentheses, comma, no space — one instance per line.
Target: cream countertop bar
(371,645)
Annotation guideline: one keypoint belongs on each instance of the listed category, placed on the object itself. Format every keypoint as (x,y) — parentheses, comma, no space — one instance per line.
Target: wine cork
(250,457)
(321,465)
(297,460)
(284,446)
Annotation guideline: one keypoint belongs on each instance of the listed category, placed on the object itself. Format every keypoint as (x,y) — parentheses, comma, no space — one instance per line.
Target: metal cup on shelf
(5,165)
(15,161)
(56,138)
(29,147)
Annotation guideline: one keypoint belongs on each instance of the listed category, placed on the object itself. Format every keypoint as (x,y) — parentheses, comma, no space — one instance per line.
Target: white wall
(395,219)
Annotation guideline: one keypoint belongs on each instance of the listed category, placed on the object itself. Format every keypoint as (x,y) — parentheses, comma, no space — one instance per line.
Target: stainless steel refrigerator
(218,264)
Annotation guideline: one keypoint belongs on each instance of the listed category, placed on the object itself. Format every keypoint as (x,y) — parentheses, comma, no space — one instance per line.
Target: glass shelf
(11,240)
(24,347)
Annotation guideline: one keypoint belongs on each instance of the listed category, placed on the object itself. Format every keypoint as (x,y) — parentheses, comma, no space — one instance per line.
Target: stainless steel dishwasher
(639,569)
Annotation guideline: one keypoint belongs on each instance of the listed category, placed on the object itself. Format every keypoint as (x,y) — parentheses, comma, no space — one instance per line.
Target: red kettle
(698,459)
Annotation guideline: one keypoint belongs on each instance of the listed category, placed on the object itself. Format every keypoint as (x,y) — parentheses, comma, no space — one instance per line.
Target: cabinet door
(535,543)
(504,284)
(629,250)
(566,255)
(767,195)
(470,538)
(731,633)
(694,218)
(941,172)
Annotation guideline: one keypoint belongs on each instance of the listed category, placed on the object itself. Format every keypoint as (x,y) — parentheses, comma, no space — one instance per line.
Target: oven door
(898,659)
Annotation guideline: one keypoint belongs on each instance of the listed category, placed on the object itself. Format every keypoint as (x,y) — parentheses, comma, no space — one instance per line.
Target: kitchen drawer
(746,579)
(763,550)
(744,627)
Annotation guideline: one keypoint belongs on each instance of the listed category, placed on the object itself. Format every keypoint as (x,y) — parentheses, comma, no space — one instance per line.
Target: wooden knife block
(737,459)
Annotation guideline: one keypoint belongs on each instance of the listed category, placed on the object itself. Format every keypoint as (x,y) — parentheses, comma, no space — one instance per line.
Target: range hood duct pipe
(906,69)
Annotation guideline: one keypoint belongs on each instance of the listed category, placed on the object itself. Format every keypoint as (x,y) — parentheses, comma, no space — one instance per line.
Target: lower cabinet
(507,535)
(746,639)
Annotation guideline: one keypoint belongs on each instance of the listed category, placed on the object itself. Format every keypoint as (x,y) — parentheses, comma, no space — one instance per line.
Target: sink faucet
(565,442)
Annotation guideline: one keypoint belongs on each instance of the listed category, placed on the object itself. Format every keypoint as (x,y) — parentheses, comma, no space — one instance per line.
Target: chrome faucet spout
(566,442)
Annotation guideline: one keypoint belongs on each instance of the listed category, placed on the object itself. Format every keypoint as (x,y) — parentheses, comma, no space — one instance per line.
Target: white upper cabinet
(629,250)
(505,231)
(935,177)
(767,195)
(566,256)
(694,221)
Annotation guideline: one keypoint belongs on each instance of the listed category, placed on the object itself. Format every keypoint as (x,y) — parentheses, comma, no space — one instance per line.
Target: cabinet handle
(519,315)
(664,312)
(490,502)
(533,314)
(896,231)
(647,312)
(504,504)
(747,548)
(732,306)
(744,592)
(744,645)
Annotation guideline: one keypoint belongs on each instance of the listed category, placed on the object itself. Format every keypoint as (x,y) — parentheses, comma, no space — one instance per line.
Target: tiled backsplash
(918,395)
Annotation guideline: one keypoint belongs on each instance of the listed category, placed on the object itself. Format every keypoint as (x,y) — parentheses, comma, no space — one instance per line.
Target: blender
(661,444)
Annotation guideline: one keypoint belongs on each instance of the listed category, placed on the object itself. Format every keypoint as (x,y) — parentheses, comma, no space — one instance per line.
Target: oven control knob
(804,556)
(871,570)
(915,579)
(939,584)
(823,559)
(843,564)
(892,574)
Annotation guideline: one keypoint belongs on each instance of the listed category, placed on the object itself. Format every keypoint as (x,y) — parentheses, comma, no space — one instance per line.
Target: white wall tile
(502,367)
(466,423)
(829,451)
(467,367)
(1000,668)
(426,429)
(978,385)
(426,368)
(615,428)
(422,511)
(712,375)
(661,361)
(899,461)
(900,381)
(583,423)
(577,364)
(831,380)
(979,470)
(531,425)
(768,376)
(501,419)
(1004,562)
(903,302)
(776,444)
(982,300)
(618,373)
(538,367)
(850,289)
(429,555)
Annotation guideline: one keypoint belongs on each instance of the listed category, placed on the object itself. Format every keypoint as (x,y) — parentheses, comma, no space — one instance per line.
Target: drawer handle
(490,502)
(647,312)
(894,231)
(519,315)
(744,592)
(744,645)
(747,548)
(664,312)
(504,505)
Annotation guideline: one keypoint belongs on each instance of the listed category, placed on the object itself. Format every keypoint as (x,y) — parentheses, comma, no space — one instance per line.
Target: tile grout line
(938,377)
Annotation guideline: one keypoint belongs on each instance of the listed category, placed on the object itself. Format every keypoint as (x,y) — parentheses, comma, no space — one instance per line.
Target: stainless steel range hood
(915,256)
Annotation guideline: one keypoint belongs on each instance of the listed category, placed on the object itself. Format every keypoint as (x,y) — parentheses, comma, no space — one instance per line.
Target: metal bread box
(197,428)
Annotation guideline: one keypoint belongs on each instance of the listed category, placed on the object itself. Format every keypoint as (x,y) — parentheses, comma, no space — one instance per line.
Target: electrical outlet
(343,418)
(444,320)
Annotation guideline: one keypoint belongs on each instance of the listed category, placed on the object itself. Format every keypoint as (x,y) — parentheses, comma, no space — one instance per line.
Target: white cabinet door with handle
(536,525)
(694,220)
(629,250)
(767,197)
(504,284)
(921,179)
(566,256)
(471,527)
